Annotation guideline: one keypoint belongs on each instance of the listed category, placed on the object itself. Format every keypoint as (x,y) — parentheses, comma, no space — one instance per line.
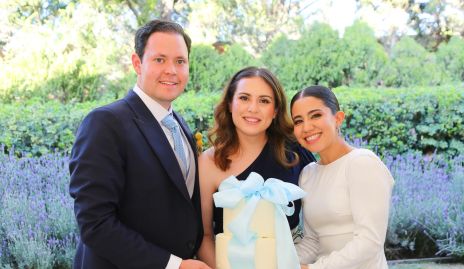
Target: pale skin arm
(208,185)
(304,267)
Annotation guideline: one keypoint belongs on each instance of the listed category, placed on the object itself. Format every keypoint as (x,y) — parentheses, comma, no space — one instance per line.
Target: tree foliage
(317,57)
(410,64)
(145,10)
(253,24)
(209,70)
(450,57)
(433,21)
(75,59)
(83,52)
(365,55)
(35,11)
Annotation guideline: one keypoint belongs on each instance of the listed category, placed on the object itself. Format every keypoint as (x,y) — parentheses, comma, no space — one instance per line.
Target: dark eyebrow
(309,113)
(261,96)
(160,55)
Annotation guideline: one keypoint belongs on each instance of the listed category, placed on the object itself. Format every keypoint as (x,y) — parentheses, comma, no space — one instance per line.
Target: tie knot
(169,122)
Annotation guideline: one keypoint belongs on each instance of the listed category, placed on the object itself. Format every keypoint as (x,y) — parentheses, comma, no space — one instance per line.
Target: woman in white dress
(349,190)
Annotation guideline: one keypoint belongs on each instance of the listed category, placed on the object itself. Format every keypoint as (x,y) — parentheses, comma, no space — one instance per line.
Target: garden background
(400,83)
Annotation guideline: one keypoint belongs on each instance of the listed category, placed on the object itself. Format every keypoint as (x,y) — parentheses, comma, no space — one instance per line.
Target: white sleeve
(174,262)
(369,187)
(308,247)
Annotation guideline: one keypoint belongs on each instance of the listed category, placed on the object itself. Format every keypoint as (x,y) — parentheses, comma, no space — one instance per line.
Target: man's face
(163,72)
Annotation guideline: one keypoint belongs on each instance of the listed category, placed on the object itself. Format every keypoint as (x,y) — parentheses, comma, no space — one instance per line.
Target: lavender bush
(37,225)
(427,203)
(38,229)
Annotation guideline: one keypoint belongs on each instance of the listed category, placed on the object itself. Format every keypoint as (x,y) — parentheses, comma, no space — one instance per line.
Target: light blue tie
(172,125)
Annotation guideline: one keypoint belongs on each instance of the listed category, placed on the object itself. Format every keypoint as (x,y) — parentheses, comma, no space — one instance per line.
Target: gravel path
(427,266)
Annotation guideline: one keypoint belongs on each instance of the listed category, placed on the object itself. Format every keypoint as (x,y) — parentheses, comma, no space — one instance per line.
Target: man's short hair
(144,32)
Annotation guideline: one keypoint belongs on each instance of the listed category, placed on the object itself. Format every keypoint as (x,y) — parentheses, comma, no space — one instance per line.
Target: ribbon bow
(241,248)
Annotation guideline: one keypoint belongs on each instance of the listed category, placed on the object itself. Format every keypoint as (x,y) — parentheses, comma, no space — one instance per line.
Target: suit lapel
(157,140)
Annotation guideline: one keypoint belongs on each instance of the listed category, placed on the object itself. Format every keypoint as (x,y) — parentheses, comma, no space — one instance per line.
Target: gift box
(256,231)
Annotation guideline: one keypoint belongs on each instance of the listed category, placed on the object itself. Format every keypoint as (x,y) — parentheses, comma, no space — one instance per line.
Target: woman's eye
(159,60)
(181,61)
(244,98)
(316,116)
(265,101)
(296,122)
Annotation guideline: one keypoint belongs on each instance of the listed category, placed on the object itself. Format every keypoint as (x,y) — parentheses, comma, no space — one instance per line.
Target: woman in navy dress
(252,133)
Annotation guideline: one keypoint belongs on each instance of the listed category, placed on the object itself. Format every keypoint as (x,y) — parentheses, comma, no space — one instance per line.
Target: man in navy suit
(136,199)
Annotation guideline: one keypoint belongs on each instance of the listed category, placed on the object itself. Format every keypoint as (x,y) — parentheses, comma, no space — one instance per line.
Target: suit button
(191,245)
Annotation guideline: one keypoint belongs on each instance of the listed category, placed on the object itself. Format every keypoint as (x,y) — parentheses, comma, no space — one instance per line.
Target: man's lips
(169,83)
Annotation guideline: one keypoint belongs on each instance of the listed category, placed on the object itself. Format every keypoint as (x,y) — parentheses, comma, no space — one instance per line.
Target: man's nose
(170,68)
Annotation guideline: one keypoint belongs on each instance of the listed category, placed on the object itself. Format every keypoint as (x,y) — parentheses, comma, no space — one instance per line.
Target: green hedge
(395,120)
(390,120)
(36,128)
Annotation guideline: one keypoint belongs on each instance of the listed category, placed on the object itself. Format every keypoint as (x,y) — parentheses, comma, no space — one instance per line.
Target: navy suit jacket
(130,199)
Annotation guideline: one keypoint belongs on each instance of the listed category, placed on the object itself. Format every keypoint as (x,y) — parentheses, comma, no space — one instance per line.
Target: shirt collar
(157,110)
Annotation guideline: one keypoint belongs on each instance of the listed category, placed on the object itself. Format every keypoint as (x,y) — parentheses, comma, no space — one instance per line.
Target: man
(133,179)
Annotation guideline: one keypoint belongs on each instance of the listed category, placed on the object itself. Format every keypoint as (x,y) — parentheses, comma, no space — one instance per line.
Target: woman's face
(315,126)
(252,107)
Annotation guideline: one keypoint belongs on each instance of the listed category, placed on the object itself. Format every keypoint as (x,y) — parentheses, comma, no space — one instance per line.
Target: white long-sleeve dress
(345,212)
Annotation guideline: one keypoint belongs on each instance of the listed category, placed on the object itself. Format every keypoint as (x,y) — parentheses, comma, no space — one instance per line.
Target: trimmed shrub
(197,109)
(35,128)
(389,120)
(399,120)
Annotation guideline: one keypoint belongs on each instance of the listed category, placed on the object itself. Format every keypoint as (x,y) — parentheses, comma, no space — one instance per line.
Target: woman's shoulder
(362,155)
(206,158)
(208,171)
(364,163)
(307,173)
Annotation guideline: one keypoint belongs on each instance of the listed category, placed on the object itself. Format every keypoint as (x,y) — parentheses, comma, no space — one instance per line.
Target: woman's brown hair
(223,136)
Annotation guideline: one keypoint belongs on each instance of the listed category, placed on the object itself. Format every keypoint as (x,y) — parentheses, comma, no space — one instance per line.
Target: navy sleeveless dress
(267,166)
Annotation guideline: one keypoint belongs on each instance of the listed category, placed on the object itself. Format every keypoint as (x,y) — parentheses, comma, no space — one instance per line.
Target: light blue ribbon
(241,248)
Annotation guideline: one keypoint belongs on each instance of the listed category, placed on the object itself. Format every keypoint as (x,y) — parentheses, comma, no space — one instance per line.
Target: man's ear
(136,63)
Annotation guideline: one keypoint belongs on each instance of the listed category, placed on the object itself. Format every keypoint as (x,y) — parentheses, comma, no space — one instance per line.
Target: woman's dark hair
(223,136)
(144,32)
(322,93)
